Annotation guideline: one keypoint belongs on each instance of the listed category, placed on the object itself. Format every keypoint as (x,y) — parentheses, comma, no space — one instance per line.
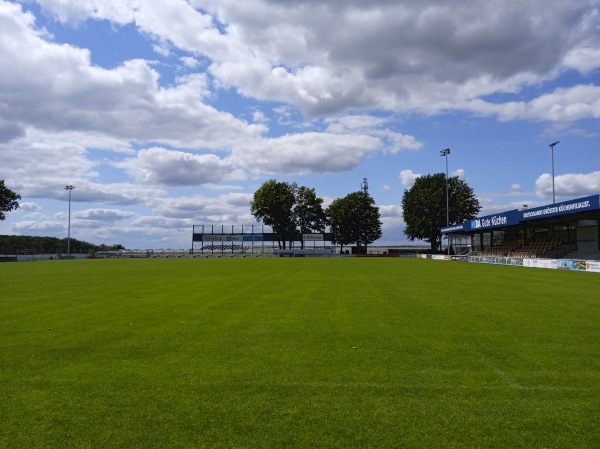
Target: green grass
(297,353)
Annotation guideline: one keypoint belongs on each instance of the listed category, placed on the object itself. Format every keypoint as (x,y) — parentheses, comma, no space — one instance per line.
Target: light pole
(552,145)
(69,188)
(445,152)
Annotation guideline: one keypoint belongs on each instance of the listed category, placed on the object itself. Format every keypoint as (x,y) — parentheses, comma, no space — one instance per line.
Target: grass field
(297,353)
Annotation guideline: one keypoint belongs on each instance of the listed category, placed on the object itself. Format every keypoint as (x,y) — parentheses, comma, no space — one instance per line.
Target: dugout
(551,231)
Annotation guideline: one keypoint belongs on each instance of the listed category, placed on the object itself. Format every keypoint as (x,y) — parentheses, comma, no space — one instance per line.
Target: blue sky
(168,114)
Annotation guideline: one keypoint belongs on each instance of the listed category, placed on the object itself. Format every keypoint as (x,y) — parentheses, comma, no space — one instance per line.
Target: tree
(308,211)
(273,204)
(354,219)
(424,207)
(8,200)
(288,209)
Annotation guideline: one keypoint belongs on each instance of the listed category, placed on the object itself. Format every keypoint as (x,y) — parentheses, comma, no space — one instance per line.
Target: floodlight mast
(445,152)
(552,145)
(69,188)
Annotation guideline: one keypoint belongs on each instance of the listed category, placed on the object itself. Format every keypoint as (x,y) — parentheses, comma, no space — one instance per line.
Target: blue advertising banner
(253,238)
(508,218)
(453,228)
(514,217)
(566,207)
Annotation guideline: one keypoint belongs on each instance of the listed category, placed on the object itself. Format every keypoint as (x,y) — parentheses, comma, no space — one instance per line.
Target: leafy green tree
(308,211)
(273,204)
(354,219)
(9,200)
(424,207)
(288,209)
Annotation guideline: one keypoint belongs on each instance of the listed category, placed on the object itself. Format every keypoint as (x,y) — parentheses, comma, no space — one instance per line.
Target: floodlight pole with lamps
(69,188)
(552,145)
(445,152)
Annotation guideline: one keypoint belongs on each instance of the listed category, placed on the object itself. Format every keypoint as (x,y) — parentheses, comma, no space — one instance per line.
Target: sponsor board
(593,265)
(540,263)
(233,237)
(567,264)
(508,218)
(497,260)
(453,228)
(313,237)
(566,207)
(253,238)
(212,238)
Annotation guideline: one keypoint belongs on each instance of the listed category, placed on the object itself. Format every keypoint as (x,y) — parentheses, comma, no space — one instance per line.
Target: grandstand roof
(558,213)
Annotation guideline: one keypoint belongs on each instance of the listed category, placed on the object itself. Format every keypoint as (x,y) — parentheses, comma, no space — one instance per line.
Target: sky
(165,114)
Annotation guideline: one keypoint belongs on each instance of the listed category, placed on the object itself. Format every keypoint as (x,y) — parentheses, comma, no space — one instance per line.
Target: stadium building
(566,229)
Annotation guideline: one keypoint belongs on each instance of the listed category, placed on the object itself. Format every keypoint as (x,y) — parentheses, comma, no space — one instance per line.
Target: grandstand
(568,229)
(255,240)
(519,248)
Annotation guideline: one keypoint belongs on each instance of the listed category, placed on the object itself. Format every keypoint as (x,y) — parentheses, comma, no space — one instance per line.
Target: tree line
(290,209)
(14,244)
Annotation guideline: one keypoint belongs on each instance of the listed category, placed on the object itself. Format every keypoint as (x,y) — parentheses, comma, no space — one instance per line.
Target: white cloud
(408,178)
(30,207)
(460,173)
(201,209)
(391,141)
(420,56)
(44,227)
(68,11)
(125,102)
(562,105)
(102,215)
(309,152)
(584,60)
(408,56)
(569,185)
(189,61)
(159,166)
